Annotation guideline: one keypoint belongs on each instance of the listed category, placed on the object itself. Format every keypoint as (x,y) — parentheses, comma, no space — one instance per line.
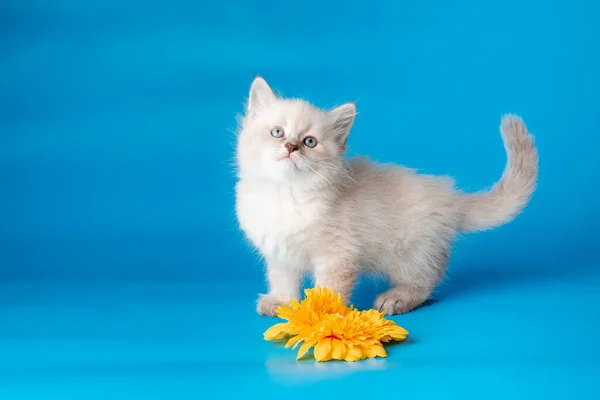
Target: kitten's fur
(313,211)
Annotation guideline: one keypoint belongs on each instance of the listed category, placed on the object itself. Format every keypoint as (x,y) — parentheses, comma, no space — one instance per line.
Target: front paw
(267,304)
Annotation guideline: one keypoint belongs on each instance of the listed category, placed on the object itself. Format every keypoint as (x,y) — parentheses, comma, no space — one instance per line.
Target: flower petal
(306,346)
(379,351)
(395,330)
(294,341)
(338,349)
(369,352)
(323,350)
(354,354)
(277,331)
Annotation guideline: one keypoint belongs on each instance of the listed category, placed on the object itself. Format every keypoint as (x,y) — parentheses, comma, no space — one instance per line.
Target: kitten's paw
(391,305)
(267,304)
(399,301)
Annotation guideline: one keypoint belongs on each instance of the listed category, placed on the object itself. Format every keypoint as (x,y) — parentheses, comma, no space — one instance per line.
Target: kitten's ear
(342,118)
(261,94)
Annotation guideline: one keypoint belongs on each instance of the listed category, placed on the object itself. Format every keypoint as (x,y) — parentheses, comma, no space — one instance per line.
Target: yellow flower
(336,332)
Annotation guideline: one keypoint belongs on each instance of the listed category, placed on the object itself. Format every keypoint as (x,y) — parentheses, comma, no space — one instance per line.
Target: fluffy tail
(509,196)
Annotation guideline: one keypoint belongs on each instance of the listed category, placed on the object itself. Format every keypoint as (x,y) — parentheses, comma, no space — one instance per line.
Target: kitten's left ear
(261,94)
(342,118)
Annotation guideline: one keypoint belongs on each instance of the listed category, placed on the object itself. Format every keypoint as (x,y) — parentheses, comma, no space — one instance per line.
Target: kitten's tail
(509,196)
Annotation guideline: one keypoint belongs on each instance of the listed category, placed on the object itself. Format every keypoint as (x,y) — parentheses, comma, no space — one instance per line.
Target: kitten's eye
(277,133)
(310,141)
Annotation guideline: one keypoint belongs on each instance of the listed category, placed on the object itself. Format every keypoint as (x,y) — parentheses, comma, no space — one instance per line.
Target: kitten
(306,209)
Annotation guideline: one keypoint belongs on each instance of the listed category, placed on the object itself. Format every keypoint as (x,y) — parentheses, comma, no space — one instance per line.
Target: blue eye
(277,133)
(310,141)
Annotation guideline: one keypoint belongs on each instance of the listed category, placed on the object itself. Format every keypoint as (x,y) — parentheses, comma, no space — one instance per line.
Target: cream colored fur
(313,211)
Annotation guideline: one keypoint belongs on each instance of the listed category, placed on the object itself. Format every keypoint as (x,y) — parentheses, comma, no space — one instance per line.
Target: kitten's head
(289,140)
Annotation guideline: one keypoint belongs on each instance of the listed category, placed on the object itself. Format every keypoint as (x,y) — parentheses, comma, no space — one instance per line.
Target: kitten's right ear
(342,119)
(261,95)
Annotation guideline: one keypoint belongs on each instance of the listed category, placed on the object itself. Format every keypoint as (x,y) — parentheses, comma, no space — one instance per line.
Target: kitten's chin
(285,170)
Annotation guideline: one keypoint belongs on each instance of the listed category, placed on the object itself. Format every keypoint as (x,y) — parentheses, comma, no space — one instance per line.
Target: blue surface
(122,273)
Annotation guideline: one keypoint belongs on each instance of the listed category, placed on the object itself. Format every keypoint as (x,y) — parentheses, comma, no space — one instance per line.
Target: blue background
(123,274)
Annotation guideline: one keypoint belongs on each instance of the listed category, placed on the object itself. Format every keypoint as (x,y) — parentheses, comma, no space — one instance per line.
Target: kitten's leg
(413,283)
(337,275)
(284,285)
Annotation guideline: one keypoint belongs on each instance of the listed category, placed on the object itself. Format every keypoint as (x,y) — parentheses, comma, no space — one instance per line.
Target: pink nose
(291,147)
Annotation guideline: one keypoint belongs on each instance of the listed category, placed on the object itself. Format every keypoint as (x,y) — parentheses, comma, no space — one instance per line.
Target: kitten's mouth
(286,158)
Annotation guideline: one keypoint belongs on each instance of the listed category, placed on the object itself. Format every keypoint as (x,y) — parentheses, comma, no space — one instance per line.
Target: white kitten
(305,208)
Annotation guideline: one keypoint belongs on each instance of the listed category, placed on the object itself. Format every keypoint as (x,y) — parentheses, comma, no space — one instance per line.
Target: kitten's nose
(291,147)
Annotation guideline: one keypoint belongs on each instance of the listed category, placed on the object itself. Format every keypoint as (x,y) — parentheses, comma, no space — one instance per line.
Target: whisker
(318,174)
